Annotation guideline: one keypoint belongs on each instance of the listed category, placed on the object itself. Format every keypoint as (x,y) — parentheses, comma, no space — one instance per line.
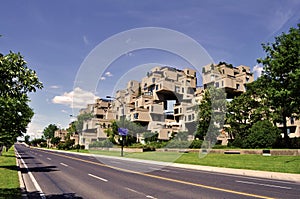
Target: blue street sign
(123,131)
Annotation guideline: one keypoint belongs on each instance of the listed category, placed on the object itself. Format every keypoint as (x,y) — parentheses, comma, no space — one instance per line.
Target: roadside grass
(284,164)
(9,180)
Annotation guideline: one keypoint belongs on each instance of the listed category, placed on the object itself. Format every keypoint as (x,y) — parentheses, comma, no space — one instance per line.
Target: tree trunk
(285,134)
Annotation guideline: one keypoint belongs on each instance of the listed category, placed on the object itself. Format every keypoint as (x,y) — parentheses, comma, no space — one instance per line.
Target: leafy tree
(55,140)
(80,120)
(150,136)
(49,131)
(280,80)
(26,139)
(263,134)
(211,115)
(17,80)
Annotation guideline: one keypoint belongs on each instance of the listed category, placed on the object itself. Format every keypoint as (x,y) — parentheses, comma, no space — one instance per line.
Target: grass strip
(9,180)
(284,164)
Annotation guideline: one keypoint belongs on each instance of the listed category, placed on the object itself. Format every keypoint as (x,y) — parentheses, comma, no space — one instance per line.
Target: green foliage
(69,144)
(80,119)
(55,140)
(280,80)
(38,142)
(26,139)
(150,136)
(17,80)
(263,134)
(104,143)
(211,114)
(49,131)
(196,144)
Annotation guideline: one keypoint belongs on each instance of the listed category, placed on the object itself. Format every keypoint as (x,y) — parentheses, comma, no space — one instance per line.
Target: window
(222,83)
(237,86)
(136,116)
(292,120)
(182,90)
(189,117)
(217,84)
(156,87)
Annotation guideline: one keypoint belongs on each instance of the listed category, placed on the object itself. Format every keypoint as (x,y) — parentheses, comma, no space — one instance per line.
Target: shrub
(104,143)
(196,144)
(263,134)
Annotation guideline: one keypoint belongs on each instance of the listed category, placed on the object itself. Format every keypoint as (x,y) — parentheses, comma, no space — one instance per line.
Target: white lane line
(266,185)
(137,192)
(49,158)
(64,164)
(148,196)
(134,191)
(33,180)
(97,177)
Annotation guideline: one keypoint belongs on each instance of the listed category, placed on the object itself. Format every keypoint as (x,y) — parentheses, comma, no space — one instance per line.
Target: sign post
(123,133)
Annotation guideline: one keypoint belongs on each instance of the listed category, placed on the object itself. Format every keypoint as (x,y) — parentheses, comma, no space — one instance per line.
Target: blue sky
(56,37)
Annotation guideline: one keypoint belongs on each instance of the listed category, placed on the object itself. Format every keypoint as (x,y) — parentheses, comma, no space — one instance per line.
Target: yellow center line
(163,178)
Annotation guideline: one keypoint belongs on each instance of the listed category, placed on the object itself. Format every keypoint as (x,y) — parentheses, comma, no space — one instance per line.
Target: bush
(263,134)
(104,143)
(178,144)
(196,144)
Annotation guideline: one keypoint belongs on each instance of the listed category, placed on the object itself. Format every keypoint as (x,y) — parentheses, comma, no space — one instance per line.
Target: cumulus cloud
(257,70)
(77,98)
(108,74)
(102,78)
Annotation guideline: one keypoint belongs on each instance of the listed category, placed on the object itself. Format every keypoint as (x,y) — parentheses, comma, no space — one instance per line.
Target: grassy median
(9,181)
(285,164)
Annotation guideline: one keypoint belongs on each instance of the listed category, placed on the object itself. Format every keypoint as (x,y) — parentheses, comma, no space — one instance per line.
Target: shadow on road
(39,169)
(36,195)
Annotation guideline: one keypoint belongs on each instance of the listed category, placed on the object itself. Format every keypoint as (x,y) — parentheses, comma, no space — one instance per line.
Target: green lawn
(9,181)
(285,164)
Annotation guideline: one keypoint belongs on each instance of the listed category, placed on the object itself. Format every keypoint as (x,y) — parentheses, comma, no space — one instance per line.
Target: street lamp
(122,131)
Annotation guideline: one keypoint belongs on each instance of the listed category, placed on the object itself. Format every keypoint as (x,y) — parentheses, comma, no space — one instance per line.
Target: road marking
(148,196)
(97,177)
(132,190)
(49,158)
(40,155)
(163,178)
(266,185)
(33,180)
(64,164)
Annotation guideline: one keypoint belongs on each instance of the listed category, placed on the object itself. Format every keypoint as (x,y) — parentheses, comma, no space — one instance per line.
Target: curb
(21,180)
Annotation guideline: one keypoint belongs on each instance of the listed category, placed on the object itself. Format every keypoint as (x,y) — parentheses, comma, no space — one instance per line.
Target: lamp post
(122,131)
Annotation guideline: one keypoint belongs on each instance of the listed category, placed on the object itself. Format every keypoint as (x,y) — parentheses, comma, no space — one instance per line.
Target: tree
(26,139)
(80,120)
(55,140)
(263,134)
(211,115)
(281,76)
(49,131)
(17,80)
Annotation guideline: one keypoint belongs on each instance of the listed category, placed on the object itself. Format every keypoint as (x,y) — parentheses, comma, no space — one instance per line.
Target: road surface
(50,174)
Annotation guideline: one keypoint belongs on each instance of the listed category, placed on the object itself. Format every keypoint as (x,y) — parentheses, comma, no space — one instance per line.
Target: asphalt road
(59,175)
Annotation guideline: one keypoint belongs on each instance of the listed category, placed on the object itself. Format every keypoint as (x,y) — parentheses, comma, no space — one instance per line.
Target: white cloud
(77,98)
(257,70)
(85,40)
(64,111)
(108,74)
(54,86)
(102,78)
